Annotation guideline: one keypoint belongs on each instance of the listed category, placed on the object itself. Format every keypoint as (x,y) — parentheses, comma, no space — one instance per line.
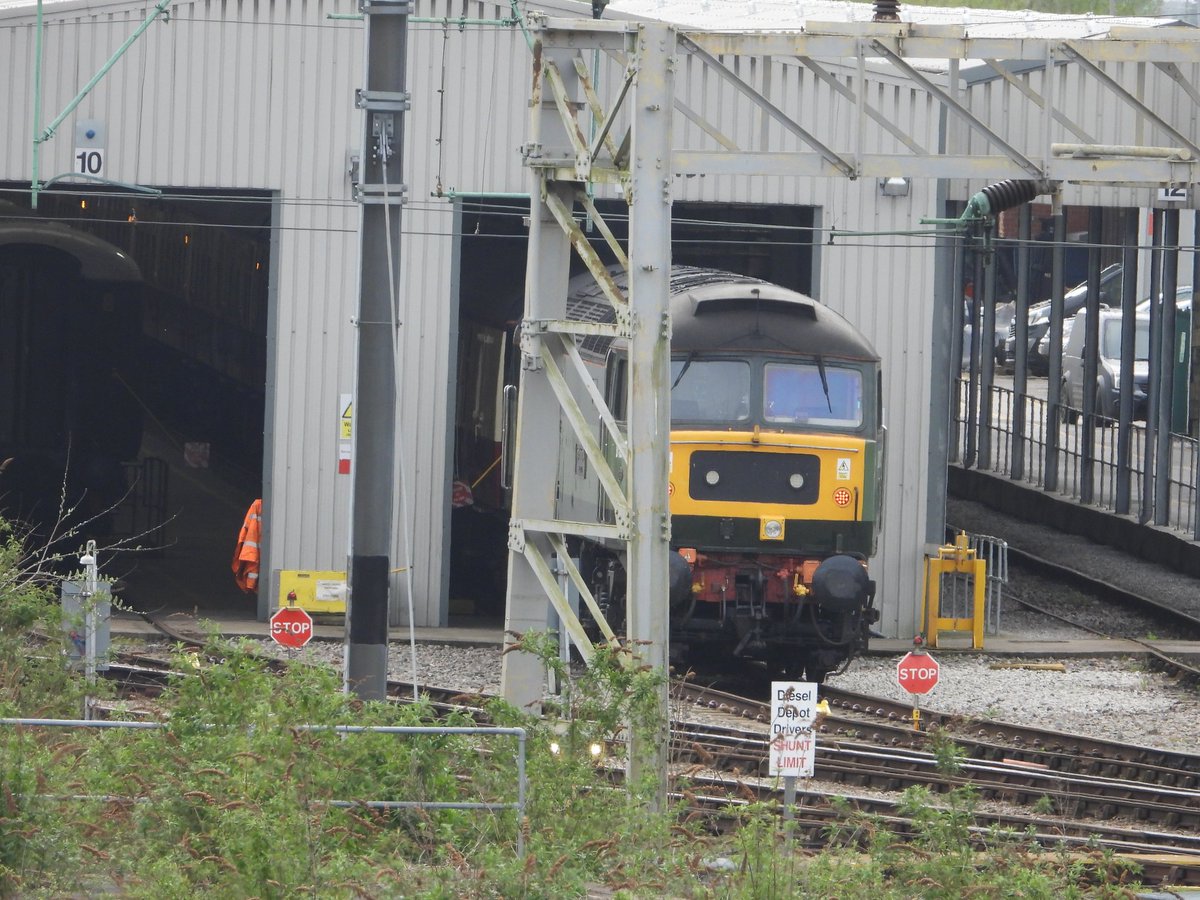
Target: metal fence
(517,805)
(1094,460)
(957,589)
(141,517)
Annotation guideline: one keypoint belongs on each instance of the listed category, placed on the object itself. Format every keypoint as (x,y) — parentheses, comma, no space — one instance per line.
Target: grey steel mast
(381,193)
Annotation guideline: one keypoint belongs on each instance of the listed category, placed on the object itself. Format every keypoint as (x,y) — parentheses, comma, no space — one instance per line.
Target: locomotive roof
(716,310)
(98,259)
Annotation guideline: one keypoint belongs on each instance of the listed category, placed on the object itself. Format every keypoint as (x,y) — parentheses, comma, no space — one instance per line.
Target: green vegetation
(231,800)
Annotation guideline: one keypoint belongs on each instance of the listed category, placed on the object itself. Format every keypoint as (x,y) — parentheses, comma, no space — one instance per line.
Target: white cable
(399,506)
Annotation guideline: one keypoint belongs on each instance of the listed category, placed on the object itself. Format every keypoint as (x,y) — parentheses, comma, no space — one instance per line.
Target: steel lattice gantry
(630,139)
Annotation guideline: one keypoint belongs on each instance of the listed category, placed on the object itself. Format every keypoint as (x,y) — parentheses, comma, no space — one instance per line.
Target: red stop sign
(917,673)
(292,627)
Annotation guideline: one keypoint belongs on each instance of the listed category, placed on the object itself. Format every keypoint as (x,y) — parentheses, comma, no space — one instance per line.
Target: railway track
(1089,814)
(886,723)
(1183,624)
(893,769)
(820,817)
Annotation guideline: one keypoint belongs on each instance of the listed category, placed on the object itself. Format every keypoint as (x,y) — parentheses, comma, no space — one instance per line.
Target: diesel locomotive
(776,473)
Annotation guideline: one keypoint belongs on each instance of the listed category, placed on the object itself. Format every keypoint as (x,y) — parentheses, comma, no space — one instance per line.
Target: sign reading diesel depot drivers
(793,745)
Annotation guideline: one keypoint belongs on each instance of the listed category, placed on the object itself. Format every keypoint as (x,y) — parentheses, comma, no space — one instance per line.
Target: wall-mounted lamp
(894,187)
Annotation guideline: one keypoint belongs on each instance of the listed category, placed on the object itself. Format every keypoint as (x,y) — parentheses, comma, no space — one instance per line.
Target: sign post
(292,626)
(793,745)
(917,672)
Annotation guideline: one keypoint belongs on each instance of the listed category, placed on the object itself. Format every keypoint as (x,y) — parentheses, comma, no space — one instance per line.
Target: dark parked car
(1073,301)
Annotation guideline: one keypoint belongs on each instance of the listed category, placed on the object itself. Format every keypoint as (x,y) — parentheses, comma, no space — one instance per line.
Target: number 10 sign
(89,148)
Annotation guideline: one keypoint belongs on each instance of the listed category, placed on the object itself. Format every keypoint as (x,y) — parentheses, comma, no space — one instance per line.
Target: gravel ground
(1111,698)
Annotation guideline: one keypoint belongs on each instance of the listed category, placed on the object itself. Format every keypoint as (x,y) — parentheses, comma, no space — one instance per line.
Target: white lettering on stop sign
(292,627)
(917,673)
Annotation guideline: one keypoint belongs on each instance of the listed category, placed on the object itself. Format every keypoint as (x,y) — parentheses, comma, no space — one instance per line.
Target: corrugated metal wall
(1098,112)
(261,96)
(232,96)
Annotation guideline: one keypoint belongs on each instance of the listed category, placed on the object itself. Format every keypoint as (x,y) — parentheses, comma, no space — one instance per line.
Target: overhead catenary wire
(840,238)
(842,243)
(519,211)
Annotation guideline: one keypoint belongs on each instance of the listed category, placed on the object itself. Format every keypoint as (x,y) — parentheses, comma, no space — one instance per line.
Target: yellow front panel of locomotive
(842,460)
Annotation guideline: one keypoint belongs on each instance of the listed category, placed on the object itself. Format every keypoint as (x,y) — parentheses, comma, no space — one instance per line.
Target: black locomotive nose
(840,584)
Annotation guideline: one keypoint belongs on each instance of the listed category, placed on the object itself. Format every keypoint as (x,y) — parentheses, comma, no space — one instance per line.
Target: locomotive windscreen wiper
(687,364)
(824,382)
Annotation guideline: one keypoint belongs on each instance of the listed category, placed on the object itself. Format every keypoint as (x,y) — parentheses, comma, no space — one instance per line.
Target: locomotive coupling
(679,576)
(841,584)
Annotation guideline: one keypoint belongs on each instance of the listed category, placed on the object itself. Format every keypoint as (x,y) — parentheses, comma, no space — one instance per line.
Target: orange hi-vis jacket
(245,554)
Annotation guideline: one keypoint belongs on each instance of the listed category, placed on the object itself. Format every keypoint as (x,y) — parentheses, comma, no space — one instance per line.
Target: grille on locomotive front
(751,477)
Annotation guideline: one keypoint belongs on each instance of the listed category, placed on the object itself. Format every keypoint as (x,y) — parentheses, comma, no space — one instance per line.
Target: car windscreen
(803,394)
(1110,340)
(709,390)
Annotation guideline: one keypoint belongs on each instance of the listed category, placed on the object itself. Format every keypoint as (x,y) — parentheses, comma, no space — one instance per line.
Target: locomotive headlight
(796,481)
(770,529)
(712,476)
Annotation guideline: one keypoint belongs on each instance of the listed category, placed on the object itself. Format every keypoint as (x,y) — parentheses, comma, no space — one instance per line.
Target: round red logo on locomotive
(841,497)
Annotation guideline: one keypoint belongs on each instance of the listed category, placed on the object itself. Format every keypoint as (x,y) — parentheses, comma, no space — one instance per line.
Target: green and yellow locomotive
(776,474)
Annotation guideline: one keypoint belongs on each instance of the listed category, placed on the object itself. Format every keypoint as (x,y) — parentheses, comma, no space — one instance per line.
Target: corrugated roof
(50,7)
(790,15)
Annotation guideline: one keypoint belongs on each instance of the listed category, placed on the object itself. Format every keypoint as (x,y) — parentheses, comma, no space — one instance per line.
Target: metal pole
(37,104)
(1129,266)
(949,404)
(987,358)
(1194,379)
(547,272)
(1020,343)
(88,596)
(972,421)
(1147,509)
(1054,374)
(649,396)
(1091,358)
(1166,368)
(945,332)
(381,194)
(789,797)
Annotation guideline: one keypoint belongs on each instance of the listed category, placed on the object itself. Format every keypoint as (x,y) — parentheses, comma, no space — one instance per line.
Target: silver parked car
(1109,377)
(1183,300)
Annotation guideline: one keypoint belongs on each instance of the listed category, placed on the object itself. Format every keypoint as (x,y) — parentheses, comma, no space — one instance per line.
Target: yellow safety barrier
(956,558)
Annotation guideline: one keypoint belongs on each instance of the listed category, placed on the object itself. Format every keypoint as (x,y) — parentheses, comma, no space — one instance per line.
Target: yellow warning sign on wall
(316,592)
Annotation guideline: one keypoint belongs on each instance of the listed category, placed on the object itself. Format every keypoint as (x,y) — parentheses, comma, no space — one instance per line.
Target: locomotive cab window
(709,390)
(812,393)
(614,390)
